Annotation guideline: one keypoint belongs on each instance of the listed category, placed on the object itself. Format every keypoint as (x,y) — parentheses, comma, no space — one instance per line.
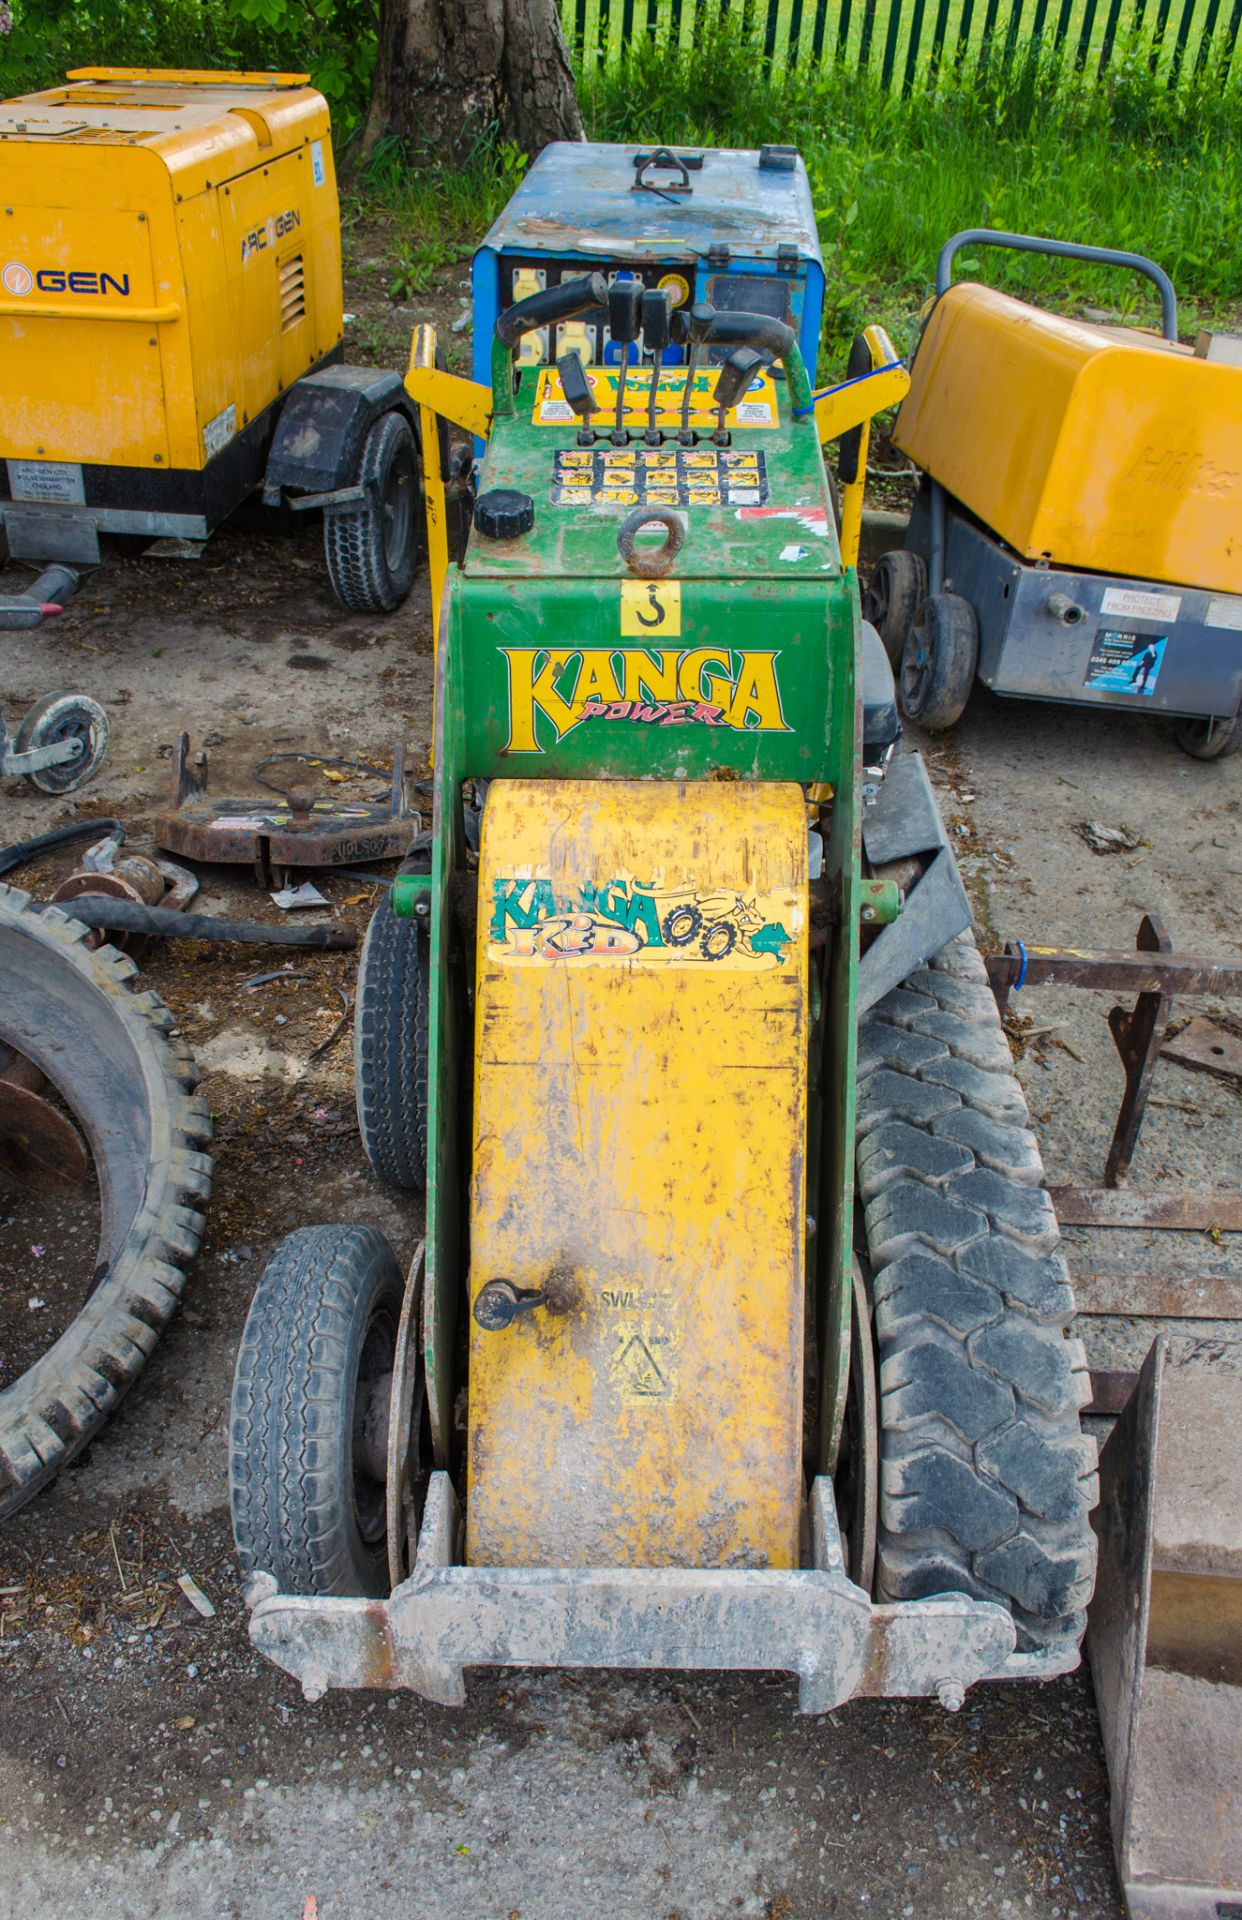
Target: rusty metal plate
(1193,1212)
(1204,1043)
(1165,1633)
(1158,1296)
(638,1216)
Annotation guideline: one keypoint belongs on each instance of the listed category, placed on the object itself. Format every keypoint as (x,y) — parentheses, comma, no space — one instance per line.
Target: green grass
(1121,163)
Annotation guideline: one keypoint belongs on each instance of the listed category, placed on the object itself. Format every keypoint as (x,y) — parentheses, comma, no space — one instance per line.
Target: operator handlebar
(550,306)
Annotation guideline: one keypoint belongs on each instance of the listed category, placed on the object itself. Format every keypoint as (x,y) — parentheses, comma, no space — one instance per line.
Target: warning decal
(639,477)
(756,408)
(642,1368)
(1123,662)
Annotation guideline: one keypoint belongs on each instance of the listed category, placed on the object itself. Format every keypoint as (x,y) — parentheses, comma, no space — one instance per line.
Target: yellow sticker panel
(756,408)
(639,1138)
(650,606)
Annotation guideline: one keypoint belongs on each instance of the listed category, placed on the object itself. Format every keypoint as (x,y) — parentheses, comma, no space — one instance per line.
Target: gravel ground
(149,1762)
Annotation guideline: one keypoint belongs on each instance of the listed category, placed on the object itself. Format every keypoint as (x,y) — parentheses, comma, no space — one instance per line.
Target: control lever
(732,381)
(577,390)
(657,305)
(691,326)
(625,299)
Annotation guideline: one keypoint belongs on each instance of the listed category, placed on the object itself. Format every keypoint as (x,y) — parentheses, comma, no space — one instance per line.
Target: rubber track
(390,1049)
(353,537)
(60,1403)
(290,1423)
(986,1479)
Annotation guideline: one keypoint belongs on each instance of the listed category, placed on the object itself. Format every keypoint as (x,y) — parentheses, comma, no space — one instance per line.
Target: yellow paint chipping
(640,1133)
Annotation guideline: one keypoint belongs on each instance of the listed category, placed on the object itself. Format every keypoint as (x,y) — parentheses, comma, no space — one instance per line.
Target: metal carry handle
(1062,250)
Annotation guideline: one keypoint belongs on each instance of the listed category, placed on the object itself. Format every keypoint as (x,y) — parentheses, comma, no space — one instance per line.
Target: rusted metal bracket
(280,832)
(1157,973)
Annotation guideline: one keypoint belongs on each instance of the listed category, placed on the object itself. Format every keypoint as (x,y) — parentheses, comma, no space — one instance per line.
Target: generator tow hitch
(45,597)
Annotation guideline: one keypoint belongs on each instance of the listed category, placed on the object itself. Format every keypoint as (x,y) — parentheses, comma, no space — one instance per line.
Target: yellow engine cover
(639,1151)
(1100,447)
(170,262)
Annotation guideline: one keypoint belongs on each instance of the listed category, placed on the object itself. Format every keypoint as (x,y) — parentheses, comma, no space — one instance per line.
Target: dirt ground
(150,1763)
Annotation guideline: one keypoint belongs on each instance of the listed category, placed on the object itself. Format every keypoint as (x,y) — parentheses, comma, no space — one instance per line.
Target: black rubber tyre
(1210,739)
(306,1485)
(938,661)
(65,716)
(373,549)
(895,592)
(130,1085)
(986,1479)
(390,1048)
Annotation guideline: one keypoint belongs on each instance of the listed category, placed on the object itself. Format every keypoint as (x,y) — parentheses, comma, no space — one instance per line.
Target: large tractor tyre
(986,1479)
(390,1048)
(111,1055)
(895,592)
(1213,739)
(938,661)
(308,1422)
(373,548)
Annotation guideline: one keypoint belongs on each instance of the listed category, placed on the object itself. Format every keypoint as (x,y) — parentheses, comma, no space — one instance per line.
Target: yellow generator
(171,330)
(1075,537)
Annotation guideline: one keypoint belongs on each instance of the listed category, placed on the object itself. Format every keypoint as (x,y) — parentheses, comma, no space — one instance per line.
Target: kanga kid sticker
(1125,662)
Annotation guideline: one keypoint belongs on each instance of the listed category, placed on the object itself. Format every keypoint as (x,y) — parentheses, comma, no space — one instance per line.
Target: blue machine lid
(579,198)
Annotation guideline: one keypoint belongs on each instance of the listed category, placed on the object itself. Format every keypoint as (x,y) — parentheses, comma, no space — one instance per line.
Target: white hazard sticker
(1224,610)
(318,173)
(1141,606)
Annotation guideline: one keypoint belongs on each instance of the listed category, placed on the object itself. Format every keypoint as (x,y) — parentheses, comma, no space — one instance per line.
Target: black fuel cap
(503,513)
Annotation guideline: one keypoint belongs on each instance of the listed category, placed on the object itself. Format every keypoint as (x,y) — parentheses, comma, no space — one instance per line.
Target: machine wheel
(986,1480)
(895,592)
(372,549)
(65,716)
(110,1055)
(938,661)
(390,1048)
(1212,739)
(308,1425)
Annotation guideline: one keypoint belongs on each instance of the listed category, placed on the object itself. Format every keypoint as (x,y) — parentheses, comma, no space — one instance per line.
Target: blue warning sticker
(1125,662)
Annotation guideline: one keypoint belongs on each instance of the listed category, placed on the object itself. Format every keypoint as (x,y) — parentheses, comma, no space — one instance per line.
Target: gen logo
(18,280)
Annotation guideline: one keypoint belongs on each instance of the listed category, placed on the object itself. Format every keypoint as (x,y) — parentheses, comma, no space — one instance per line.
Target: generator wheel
(111,1056)
(308,1425)
(390,1048)
(895,592)
(372,549)
(986,1479)
(1214,739)
(938,661)
(65,716)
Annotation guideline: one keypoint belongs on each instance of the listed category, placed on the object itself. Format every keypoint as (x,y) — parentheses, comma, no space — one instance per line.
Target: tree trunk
(450,72)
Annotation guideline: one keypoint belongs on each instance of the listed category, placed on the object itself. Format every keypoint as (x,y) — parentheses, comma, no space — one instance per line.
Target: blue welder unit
(733,228)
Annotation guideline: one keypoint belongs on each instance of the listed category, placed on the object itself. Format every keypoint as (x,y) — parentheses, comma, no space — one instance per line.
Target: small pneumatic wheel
(372,547)
(308,1425)
(71,720)
(939,660)
(391,1016)
(1213,739)
(894,594)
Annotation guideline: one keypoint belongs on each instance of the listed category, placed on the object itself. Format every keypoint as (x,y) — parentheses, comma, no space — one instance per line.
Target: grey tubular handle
(1062,250)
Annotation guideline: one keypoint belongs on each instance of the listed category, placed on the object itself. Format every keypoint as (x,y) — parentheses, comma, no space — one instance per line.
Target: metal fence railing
(907,43)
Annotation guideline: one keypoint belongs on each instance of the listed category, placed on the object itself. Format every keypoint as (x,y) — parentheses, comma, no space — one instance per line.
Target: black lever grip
(735,376)
(727,329)
(550,306)
(625,301)
(655,320)
(575,385)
